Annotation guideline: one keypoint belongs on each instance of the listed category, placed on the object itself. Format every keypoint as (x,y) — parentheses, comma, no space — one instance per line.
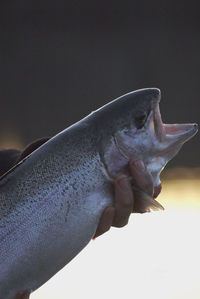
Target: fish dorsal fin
(32,147)
(10,159)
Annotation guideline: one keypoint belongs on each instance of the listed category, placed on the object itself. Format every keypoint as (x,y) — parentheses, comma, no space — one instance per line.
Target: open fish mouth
(140,134)
(173,134)
(156,143)
(172,137)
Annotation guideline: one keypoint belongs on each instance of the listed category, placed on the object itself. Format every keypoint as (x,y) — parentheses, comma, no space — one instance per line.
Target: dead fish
(51,202)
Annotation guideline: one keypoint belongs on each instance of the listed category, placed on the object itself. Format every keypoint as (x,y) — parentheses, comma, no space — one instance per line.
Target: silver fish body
(51,202)
(50,207)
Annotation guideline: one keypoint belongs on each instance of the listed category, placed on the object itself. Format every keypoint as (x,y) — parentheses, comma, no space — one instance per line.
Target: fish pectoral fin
(145,203)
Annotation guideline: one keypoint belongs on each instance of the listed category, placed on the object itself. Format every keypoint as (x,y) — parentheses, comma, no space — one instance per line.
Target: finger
(22,296)
(141,176)
(124,201)
(143,180)
(105,221)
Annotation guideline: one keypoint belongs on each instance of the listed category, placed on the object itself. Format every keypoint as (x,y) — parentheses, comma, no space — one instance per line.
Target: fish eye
(140,120)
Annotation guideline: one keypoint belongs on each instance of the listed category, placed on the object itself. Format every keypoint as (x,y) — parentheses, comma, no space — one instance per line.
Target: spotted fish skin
(46,208)
(51,202)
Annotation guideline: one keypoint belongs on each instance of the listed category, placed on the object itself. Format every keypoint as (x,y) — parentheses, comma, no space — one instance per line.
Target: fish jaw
(168,140)
(156,144)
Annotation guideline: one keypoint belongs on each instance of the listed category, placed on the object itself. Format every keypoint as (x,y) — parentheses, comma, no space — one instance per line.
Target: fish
(52,200)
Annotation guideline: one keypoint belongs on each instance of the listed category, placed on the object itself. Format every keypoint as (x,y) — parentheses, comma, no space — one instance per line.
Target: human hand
(24,295)
(126,198)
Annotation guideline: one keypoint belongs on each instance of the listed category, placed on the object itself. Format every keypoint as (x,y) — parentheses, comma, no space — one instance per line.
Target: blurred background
(60,60)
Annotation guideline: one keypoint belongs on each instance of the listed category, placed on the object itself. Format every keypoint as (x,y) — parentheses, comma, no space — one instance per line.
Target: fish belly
(42,242)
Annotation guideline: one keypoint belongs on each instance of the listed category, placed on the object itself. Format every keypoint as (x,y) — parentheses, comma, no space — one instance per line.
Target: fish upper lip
(173,134)
(158,124)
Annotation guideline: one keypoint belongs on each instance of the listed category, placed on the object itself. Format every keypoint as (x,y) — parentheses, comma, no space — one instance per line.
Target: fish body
(51,202)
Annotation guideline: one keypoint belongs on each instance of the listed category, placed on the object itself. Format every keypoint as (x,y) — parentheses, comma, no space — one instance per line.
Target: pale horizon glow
(155,256)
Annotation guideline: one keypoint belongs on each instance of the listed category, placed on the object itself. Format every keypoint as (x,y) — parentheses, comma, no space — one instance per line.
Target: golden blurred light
(181,189)
(11,139)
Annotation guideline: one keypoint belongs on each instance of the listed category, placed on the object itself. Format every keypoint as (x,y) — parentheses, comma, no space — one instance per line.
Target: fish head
(136,131)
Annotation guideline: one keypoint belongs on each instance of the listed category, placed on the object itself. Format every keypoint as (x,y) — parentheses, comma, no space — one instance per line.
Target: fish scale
(51,202)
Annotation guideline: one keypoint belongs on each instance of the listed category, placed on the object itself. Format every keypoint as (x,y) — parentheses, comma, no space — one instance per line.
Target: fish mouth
(171,136)
(170,139)
(156,144)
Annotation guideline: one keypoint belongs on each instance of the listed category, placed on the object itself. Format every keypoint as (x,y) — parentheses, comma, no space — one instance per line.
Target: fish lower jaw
(179,133)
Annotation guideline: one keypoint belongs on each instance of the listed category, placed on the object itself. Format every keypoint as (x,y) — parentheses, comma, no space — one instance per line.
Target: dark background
(59,60)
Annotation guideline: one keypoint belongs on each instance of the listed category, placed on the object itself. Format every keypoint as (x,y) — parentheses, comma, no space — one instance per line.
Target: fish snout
(179,133)
(172,133)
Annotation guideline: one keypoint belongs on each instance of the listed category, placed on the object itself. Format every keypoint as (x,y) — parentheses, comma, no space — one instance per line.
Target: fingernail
(139,164)
(124,183)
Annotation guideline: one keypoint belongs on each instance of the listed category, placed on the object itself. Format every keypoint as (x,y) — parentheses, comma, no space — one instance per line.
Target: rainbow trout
(51,202)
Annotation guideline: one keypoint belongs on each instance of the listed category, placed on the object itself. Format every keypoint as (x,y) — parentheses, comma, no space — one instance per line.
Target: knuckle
(119,225)
(104,229)
(121,222)
(127,203)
